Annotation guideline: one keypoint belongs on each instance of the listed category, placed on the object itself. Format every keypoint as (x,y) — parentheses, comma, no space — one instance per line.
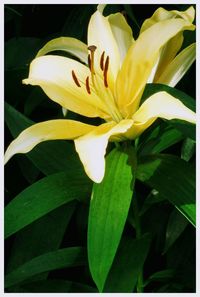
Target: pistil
(89,62)
(92,49)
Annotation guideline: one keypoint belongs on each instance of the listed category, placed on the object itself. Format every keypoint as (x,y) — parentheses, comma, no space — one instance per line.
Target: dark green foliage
(137,233)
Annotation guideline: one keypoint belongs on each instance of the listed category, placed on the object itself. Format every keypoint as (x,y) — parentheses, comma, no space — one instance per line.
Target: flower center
(99,82)
(103,66)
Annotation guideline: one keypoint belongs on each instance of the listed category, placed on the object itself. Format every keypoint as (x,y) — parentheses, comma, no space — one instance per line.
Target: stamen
(102,61)
(89,62)
(105,72)
(75,79)
(87,84)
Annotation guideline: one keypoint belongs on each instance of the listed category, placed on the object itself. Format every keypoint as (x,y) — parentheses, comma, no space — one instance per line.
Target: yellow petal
(140,61)
(122,33)
(68,44)
(101,7)
(162,14)
(159,105)
(49,130)
(170,50)
(178,67)
(101,35)
(54,75)
(167,54)
(92,147)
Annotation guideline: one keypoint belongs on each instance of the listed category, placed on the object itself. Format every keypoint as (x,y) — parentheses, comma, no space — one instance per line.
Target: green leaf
(159,139)
(76,21)
(15,120)
(29,171)
(173,178)
(19,52)
(24,48)
(188,149)
(129,11)
(181,256)
(15,92)
(108,212)
(154,221)
(42,197)
(111,8)
(11,13)
(127,265)
(185,128)
(161,276)
(67,257)
(55,286)
(153,198)
(176,225)
(36,97)
(43,156)
(42,236)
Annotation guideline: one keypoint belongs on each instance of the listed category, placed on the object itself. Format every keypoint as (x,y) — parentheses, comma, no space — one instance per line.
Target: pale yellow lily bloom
(109,84)
(171,48)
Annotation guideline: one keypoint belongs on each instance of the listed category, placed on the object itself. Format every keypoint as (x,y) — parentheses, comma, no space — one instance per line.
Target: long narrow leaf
(127,265)
(55,286)
(108,212)
(175,227)
(173,178)
(68,257)
(42,197)
(42,236)
(159,139)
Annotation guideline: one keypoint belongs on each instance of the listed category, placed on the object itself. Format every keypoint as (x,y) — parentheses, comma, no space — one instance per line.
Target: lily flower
(171,67)
(108,82)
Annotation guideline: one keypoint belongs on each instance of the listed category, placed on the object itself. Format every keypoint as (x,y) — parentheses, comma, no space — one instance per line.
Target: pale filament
(98,83)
